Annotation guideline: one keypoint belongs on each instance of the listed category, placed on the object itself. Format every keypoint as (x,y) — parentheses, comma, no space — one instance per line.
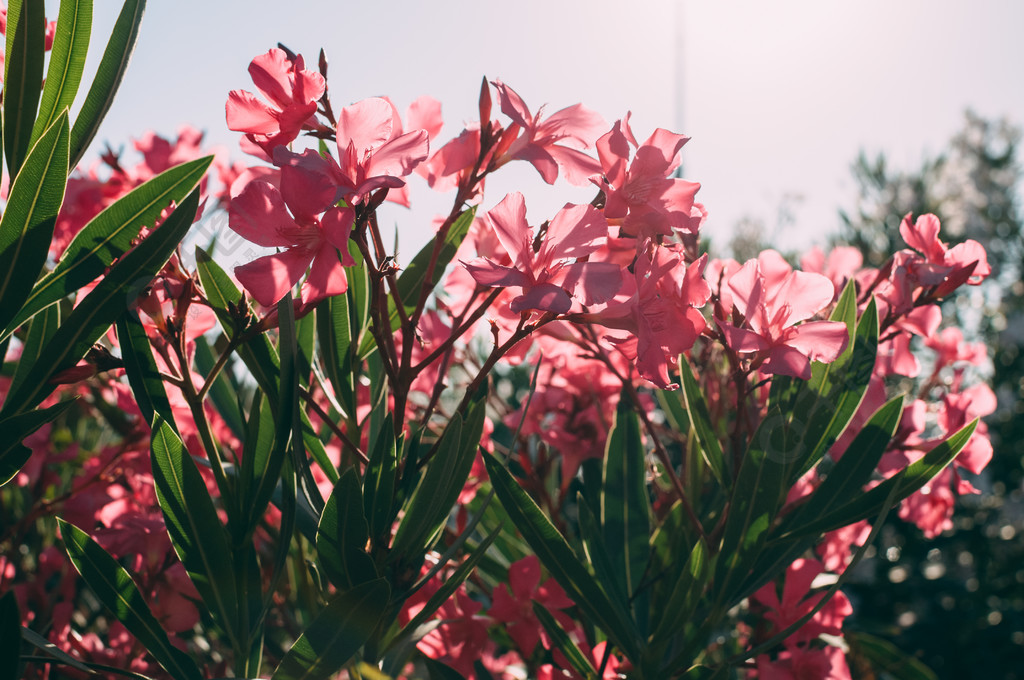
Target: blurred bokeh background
(810,122)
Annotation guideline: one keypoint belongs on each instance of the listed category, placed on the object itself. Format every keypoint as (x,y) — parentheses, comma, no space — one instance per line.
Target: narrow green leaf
(905,482)
(336,634)
(23,78)
(111,234)
(101,308)
(26,228)
(118,592)
(577,659)
(559,559)
(40,330)
(379,484)
(13,429)
(600,560)
(67,61)
(625,505)
(108,77)
(139,364)
(10,633)
(342,535)
(886,657)
(223,393)
(39,642)
(700,418)
(261,462)
(198,536)
(680,607)
(440,671)
(334,337)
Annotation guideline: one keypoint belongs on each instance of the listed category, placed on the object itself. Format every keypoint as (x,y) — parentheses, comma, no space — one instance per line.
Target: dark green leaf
(440,671)
(118,592)
(600,560)
(67,61)
(577,659)
(39,642)
(139,364)
(108,77)
(690,584)
(26,228)
(223,393)
(379,483)
(334,335)
(196,532)
(23,78)
(10,633)
(261,462)
(559,559)
(625,506)
(697,409)
(101,308)
(14,454)
(337,633)
(342,535)
(886,657)
(111,234)
(40,330)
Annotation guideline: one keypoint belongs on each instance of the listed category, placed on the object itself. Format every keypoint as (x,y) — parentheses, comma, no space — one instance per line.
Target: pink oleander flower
(373,153)
(644,195)
(660,308)
(553,143)
(292,93)
(423,114)
(511,603)
(939,261)
(770,313)
(556,275)
(312,233)
(795,601)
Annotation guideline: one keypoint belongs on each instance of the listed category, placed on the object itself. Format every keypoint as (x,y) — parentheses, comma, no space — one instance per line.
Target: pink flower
(939,262)
(643,194)
(260,213)
(770,313)
(556,275)
(373,153)
(795,602)
(512,606)
(292,92)
(551,143)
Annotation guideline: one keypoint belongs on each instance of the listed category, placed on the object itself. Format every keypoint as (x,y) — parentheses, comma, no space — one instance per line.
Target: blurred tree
(958,600)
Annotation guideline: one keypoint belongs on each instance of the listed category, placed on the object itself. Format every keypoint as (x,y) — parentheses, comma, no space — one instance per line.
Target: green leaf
(139,364)
(414,277)
(625,505)
(261,463)
(577,659)
(101,308)
(14,454)
(336,634)
(600,560)
(679,609)
(334,335)
(26,228)
(40,330)
(23,78)
(441,484)
(342,535)
(108,77)
(700,417)
(67,61)
(198,536)
(755,500)
(10,633)
(379,484)
(39,642)
(440,671)
(905,482)
(559,559)
(223,392)
(115,589)
(111,234)
(886,657)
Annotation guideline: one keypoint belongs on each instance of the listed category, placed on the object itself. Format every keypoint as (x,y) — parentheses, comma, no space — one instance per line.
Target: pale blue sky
(778,97)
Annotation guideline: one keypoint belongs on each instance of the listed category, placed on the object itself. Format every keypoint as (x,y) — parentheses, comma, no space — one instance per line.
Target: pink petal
(336,225)
(613,151)
(269,278)
(246,113)
(747,288)
(258,214)
(545,297)
(784,360)
(543,161)
(425,114)
(742,340)
(487,273)
(656,157)
(399,156)
(819,340)
(306,193)
(577,166)
(805,293)
(269,74)
(576,231)
(923,236)
(576,124)
(326,276)
(593,282)
(366,125)
(512,105)
(967,252)
(510,226)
